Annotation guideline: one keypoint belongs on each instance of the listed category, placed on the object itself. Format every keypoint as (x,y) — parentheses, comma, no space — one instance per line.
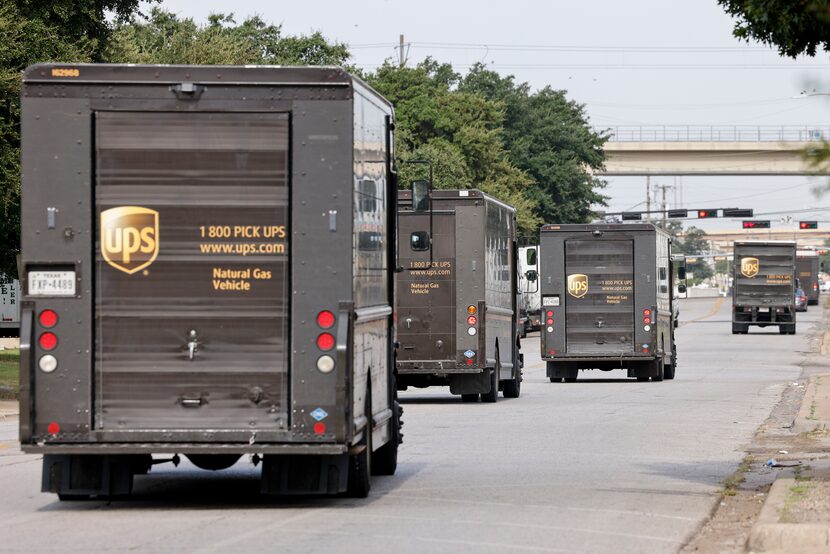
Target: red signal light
(702,214)
(48,318)
(808,224)
(325,341)
(48,341)
(325,319)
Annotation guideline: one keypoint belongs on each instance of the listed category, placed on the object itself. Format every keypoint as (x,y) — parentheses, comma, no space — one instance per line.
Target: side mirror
(681,272)
(531,275)
(531,257)
(419,241)
(420,196)
(681,288)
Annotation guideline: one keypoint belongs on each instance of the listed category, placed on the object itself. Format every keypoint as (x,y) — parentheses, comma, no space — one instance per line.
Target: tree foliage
(795,27)
(459,131)
(692,242)
(164,38)
(548,137)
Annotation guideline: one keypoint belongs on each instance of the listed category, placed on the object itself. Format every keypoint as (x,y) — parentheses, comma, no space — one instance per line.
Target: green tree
(31,32)
(549,137)
(692,243)
(460,132)
(163,37)
(795,27)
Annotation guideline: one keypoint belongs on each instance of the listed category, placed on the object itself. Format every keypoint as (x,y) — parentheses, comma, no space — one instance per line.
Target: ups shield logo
(129,237)
(578,285)
(749,267)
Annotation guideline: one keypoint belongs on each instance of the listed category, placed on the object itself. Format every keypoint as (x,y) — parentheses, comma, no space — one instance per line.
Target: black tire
(360,464)
(668,370)
(657,370)
(782,330)
(492,396)
(555,379)
(513,387)
(570,379)
(642,379)
(385,458)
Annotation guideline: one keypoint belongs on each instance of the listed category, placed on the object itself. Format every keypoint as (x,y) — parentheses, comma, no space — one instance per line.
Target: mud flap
(304,474)
(476,383)
(78,475)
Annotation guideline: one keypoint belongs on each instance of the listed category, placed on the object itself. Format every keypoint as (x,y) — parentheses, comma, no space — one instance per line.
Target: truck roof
(453,194)
(219,75)
(570,227)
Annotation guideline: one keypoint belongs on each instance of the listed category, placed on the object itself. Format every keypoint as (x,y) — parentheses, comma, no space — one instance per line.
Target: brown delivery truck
(763,286)
(207,271)
(457,304)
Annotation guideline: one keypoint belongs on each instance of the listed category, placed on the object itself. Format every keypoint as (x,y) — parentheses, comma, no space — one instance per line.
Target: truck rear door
(426,293)
(599,304)
(192,266)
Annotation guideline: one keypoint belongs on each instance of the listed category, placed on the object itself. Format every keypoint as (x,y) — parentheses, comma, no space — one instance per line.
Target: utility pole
(401,56)
(648,195)
(663,189)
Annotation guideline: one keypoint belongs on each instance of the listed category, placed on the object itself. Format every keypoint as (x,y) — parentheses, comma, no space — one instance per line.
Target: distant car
(800,300)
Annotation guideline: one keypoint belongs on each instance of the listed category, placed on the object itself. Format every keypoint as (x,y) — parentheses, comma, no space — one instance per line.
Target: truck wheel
(469,398)
(493,395)
(555,379)
(513,387)
(385,458)
(657,370)
(360,467)
(668,370)
(782,330)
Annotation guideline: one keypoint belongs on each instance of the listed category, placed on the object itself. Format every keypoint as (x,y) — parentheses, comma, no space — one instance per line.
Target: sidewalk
(796,513)
(8,408)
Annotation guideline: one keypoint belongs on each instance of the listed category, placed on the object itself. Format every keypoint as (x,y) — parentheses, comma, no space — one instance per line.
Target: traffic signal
(737,212)
(703,214)
(759,224)
(808,224)
(632,216)
(678,213)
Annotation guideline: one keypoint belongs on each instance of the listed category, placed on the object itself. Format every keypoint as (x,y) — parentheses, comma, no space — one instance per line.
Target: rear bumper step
(185,448)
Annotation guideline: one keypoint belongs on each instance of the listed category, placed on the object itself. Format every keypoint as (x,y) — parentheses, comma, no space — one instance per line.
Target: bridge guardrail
(715,133)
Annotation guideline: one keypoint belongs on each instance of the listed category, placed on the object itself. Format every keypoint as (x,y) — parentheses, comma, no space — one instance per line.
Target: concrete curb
(769,535)
(815,407)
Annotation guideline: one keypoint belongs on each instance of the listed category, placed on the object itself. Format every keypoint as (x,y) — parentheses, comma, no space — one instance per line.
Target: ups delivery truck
(207,271)
(763,286)
(608,300)
(457,297)
(807,268)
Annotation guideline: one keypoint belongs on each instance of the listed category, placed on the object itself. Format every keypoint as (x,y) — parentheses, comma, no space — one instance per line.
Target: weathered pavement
(602,465)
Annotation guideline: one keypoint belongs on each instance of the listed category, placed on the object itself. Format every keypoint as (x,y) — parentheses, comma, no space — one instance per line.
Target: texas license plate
(51,283)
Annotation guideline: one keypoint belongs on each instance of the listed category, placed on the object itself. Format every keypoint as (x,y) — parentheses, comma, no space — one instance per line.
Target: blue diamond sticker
(469,353)
(319,414)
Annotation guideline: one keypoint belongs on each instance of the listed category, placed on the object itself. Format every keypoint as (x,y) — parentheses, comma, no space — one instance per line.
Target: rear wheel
(493,395)
(360,463)
(570,379)
(385,458)
(668,370)
(657,369)
(469,398)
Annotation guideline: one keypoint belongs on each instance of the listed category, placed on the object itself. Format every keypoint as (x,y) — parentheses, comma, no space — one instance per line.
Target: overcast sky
(638,62)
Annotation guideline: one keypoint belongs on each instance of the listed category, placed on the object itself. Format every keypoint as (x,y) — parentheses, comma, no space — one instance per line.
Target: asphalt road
(602,465)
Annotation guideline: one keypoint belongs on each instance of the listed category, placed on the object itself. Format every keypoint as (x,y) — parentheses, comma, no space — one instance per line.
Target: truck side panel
(499,284)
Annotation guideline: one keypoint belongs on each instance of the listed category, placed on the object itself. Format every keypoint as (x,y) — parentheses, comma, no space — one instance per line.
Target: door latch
(192,344)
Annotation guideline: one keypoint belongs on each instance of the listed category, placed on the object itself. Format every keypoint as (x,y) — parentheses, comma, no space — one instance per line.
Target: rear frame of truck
(607,300)
(207,258)
(763,286)
(457,301)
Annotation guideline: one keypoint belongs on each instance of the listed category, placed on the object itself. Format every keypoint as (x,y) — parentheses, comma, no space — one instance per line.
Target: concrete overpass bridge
(709,150)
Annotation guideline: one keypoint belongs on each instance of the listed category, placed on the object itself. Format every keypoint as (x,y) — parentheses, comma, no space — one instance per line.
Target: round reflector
(550,313)
(48,318)
(646,320)
(53,428)
(325,319)
(471,331)
(550,329)
(48,363)
(471,309)
(646,312)
(48,341)
(319,428)
(472,320)
(325,364)
(325,341)
(549,321)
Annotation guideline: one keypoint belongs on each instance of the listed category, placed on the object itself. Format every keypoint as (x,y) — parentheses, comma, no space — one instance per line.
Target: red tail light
(646,320)
(325,341)
(472,320)
(48,341)
(48,318)
(53,428)
(646,312)
(325,319)
(550,313)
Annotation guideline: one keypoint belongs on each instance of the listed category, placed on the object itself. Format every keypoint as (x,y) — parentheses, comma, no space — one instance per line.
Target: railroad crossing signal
(756,224)
(703,214)
(808,224)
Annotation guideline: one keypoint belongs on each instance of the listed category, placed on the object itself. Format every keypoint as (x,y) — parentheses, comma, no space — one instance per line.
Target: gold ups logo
(578,285)
(749,267)
(129,237)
